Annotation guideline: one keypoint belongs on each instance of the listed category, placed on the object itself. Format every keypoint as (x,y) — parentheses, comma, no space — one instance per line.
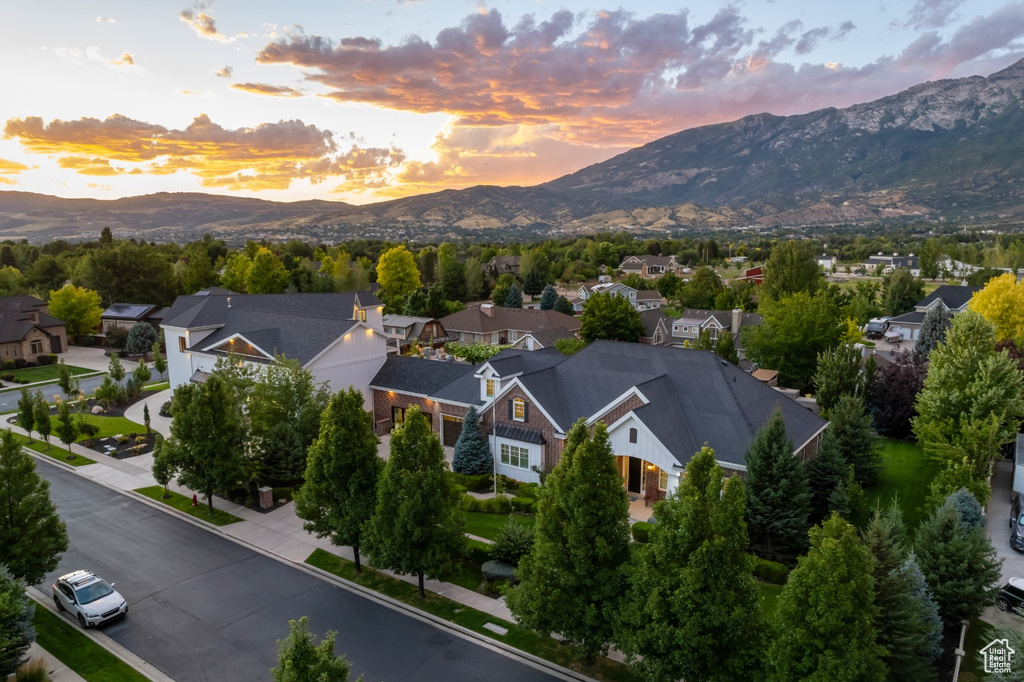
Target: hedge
(641,531)
(477,483)
(771,572)
(523,505)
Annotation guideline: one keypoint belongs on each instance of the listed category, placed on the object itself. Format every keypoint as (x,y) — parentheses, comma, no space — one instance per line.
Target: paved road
(205,609)
(9,399)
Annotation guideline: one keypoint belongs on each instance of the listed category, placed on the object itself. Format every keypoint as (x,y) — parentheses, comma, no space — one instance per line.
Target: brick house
(499,326)
(649,266)
(660,404)
(27,330)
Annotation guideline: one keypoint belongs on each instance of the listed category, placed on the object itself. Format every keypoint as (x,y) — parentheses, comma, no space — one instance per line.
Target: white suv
(89,597)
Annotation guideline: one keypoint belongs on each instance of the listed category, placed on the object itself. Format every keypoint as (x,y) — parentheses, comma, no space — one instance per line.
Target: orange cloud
(124,60)
(268,156)
(11,167)
(264,89)
(201,22)
(223,73)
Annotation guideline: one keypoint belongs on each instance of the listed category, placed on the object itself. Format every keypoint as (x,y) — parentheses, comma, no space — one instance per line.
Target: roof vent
(229,301)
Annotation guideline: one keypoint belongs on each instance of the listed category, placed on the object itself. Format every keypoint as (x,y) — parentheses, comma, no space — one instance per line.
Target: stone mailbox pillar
(266,497)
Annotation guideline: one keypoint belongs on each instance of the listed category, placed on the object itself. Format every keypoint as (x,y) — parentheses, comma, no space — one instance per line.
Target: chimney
(229,301)
(487,309)
(737,320)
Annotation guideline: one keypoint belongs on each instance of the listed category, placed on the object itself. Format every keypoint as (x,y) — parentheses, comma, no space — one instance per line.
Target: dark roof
(521,433)
(952,295)
(651,318)
(16,317)
(913,317)
(547,337)
(299,326)
(129,311)
(419,375)
(474,319)
(20,303)
(648,295)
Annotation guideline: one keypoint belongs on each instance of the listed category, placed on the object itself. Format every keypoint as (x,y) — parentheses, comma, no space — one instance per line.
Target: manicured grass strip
(56,451)
(471,619)
(488,526)
(182,503)
(109,426)
(78,652)
(906,472)
(46,372)
(157,387)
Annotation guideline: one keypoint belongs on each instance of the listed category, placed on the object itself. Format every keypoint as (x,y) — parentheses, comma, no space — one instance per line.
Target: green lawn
(78,652)
(158,386)
(672,312)
(454,612)
(56,450)
(182,503)
(486,525)
(109,426)
(906,472)
(769,597)
(45,372)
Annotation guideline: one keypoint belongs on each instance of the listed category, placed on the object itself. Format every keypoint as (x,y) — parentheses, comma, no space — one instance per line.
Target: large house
(127,315)
(641,300)
(649,266)
(403,330)
(27,330)
(500,265)
(499,326)
(339,338)
(889,263)
(661,406)
(952,298)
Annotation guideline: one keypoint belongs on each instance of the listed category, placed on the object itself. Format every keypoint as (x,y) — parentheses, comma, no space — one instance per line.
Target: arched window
(632,435)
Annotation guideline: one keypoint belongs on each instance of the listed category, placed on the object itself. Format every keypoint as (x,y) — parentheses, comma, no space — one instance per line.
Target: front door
(634,484)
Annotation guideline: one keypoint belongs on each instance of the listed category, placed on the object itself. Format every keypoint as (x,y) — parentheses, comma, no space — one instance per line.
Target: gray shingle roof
(953,296)
(420,376)
(474,319)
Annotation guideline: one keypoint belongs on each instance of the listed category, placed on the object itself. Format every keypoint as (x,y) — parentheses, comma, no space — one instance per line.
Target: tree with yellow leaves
(1001,302)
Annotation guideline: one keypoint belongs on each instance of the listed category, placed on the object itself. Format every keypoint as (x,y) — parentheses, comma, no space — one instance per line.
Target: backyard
(906,473)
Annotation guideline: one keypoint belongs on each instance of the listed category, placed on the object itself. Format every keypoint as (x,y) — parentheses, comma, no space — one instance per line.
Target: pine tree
(42,420)
(580,548)
(936,323)
(472,453)
(856,438)
(27,412)
(826,472)
(826,612)
(514,297)
(67,429)
(778,496)
(159,361)
(548,298)
(838,374)
(16,631)
(116,369)
(726,348)
(563,306)
(848,500)
(959,563)
(32,536)
(342,469)
(692,611)
(908,624)
(416,527)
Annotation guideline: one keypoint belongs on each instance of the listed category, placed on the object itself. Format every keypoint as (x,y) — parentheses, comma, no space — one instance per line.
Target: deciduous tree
(611,317)
(340,490)
(267,274)
(397,273)
(838,374)
(115,368)
(795,329)
(1001,302)
(692,609)
(580,548)
(416,527)
(159,361)
(42,420)
(825,620)
(27,412)
(893,392)
(77,307)
(472,453)
(901,291)
(726,348)
(791,269)
(67,428)
(778,497)
(301,659)
(32,536)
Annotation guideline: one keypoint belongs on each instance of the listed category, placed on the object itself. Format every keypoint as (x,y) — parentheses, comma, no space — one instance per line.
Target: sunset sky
(362,100)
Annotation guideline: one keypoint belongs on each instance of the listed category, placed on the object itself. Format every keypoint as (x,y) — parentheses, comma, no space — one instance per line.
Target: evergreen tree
(533,282)
(141,338)
(142,372)
(825,617)
(107,391)
(501,288)
(548,298)
(562,305)
(146,419)
(42,420)
(856,439)
(726,348)
(453,280)
(778,496)
(67,429)
(703,341)
(580,548)
(32,536)
(27,412)
(16,631)
(514,297)
(159,361)
(838,374)
(959,563)
(207,438)
(342,469)
(472,453)
(826,472)
(115,369)
(848,500)
(416,527)
(908,624)
(301,659)
(936,323)
(474,277)
(692,611)
(968,507)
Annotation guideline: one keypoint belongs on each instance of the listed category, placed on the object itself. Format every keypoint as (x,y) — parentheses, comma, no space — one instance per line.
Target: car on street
(1011,596)
(89,597)
(1017,523)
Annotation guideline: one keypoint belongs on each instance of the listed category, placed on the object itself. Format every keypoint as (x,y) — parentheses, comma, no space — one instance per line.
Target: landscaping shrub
(122,440)
(478,483)
(20,363)
(140,440)
(48,359)
(771,571)
(6,363)
(7,377)
(87,341)
(32,671)
(531,490)
(496,505)
(165,409)
(523,505)
(460,489)
(513,542)
(469,503)
(479,552)
(508,485)
(498,570)
(284,493)
(641,531)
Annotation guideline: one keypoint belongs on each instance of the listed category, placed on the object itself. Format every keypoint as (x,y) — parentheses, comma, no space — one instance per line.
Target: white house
(339,338)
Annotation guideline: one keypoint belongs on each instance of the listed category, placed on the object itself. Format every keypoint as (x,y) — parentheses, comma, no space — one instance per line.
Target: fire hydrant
(195,501)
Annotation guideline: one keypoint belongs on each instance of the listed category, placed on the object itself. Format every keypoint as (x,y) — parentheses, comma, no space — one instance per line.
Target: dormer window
(490,388)
(632,435)
(519,409)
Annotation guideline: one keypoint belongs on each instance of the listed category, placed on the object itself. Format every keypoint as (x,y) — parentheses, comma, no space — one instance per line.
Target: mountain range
(941,149)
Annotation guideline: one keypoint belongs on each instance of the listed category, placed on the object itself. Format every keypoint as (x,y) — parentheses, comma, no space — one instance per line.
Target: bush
(523,505)
(508,485)
(122,440)
(513,542)
(20,363)
(498,570)
(7,377)
(6,364)
(531,490)
(479,552)
(496,505)
(460,489)
(33,671)
(165,409)
(641,531)
(477,483)
(48,359)
(140,440)
(468,503)
(87,341)
(283,493)
(771,571)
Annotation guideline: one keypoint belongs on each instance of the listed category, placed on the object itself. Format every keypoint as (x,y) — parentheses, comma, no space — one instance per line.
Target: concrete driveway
(998,527)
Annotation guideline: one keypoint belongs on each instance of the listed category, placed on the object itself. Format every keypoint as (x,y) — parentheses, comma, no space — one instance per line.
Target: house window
(362,316)
(397,415)
(714,333)
(632,435)
(37,346)
(657,338)
(515,456)
(181,344)
(490,388)
(519,409)
(662,480)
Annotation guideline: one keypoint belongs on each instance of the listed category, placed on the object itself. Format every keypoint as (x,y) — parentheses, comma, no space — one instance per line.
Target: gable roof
(474,319)
(129,311)
(953,296)
(419,375)
(651,320)
(18,314)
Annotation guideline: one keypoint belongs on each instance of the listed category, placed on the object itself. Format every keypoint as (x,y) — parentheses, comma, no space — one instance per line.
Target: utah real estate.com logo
(997,655)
